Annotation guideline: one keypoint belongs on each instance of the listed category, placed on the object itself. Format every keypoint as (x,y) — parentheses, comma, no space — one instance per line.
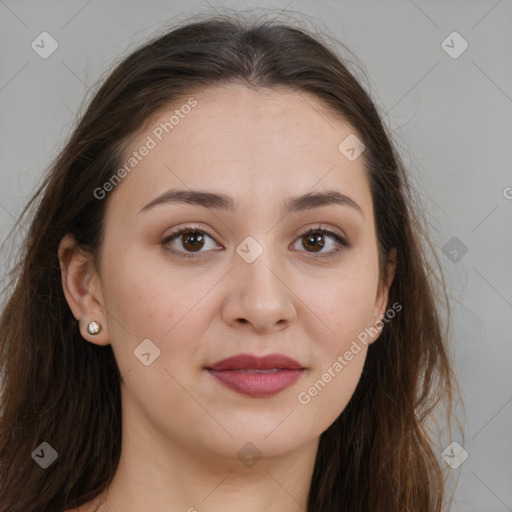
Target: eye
(190,238)
(189,241)
(317,239)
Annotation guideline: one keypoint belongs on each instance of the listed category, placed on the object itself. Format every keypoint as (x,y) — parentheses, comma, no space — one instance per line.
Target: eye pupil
(315,240)
(195,239)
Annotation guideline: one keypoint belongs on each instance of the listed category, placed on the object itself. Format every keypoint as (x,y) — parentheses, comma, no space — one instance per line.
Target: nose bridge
(258,294)
(257,263)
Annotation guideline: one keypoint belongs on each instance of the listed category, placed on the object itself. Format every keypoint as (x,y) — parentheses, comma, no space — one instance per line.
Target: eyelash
(342,243)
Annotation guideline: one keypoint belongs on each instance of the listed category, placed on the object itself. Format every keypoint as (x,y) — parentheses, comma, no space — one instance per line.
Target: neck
(157,473)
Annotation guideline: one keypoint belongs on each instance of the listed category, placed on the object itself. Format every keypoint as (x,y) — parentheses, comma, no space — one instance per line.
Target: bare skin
(182,429)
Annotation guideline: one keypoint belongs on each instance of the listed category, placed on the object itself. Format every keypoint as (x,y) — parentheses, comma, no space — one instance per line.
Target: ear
(81,286)
(381,299)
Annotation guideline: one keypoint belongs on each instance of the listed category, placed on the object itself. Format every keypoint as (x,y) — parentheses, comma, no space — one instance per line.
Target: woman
(223,301)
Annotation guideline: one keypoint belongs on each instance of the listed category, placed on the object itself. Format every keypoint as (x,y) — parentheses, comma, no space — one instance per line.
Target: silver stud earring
(93,327)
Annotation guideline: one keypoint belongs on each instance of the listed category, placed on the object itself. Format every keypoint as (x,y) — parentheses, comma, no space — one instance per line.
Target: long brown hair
(379,453)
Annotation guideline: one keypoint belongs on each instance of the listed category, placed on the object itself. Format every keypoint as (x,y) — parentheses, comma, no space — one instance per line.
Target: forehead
(252,144)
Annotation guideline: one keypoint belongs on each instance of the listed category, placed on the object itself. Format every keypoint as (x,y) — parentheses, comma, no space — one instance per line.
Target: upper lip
(252,362)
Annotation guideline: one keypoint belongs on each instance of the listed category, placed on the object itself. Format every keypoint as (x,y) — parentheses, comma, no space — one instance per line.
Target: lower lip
(257,384)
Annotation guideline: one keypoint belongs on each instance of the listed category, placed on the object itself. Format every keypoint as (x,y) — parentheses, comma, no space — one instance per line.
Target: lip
(257,376)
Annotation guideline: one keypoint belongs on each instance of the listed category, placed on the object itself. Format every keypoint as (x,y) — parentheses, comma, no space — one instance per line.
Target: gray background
(451,118)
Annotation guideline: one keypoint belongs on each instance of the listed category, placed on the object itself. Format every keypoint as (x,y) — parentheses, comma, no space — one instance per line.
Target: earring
(93,327)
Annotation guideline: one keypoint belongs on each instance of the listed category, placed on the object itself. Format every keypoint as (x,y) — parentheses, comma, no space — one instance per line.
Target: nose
(258,296)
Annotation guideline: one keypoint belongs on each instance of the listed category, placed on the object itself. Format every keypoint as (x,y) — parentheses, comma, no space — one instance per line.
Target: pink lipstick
(257,376)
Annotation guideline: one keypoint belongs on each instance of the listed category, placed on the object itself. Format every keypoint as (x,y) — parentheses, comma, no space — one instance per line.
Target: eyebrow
(222,201)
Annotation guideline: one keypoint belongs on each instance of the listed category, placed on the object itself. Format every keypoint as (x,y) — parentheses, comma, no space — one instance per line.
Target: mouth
(255,376)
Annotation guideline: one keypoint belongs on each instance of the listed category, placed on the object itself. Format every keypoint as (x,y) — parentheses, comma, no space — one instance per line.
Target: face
(246,280)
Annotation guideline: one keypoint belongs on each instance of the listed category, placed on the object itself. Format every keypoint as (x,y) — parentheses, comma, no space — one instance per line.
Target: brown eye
(314,241)
(189,242)
(192,241)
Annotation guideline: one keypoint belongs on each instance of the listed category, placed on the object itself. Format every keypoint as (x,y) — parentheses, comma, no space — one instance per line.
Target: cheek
(141,295)
(345,301)
(146,301)
(146,304)
(340,356)
(327,394)
(346,306)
